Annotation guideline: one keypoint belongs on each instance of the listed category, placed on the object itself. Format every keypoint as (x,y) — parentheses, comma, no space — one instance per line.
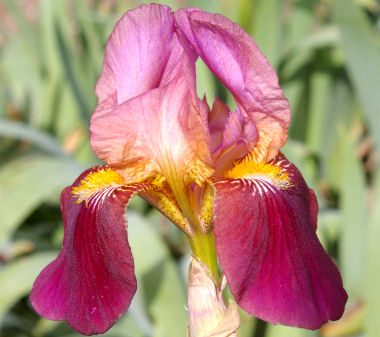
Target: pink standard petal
(162,128)
(91,283)
(268,249)
(232,55)
(136,53)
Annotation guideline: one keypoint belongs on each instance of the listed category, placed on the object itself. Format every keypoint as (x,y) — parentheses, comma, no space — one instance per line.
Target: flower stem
(203,246)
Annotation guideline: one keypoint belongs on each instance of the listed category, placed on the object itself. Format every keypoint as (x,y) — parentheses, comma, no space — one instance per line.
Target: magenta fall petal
(267,246)
(91,283)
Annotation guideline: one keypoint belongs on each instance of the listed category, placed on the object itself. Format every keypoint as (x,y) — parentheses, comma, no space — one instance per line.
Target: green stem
(203,247)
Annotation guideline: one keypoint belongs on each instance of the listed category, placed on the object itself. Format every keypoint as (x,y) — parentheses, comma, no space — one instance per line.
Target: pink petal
(136,53)
(232,55)
(217,120)
(238,135)
(163,128)
(231,135)
(91,283)
(265,239)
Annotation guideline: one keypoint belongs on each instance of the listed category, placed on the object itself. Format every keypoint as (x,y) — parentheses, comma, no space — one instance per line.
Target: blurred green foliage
(327,54)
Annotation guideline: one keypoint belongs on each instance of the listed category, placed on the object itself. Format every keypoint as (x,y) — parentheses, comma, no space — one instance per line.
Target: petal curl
(91,283)
(231,136)
(268,249)
(238,135)
(232,55)
(136,53)
(217,120)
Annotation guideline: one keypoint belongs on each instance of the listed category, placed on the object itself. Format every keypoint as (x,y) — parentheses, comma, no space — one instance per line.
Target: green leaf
(92,38)
(355,228)
(329,225)
(205,82)
(320,87)
(297,30)
(363,59)
(300,155)
(28,181)
(372,281)
(17,278)
(286,331)
(339,119)
(22,131)
(267,31)
(324,37)
(158,278)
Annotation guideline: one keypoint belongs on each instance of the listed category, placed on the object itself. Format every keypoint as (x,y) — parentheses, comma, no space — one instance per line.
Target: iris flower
(216,174)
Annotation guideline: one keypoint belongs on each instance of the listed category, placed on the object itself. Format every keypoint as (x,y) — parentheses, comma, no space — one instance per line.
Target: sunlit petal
(136,54)
(232,55)
(266,242)
(161,132)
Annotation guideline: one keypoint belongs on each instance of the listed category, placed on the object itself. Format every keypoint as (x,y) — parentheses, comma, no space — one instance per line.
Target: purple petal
(136,53)
(265,239)
(232,55)
(91,283)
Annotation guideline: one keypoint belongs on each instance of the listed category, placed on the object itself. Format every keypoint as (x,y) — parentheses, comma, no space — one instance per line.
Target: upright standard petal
(232,55)
(161,132)
(136,53)
(91,283)
(268,249)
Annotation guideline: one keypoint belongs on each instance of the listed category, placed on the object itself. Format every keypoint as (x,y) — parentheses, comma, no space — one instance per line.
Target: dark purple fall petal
(268,249)
(91,283)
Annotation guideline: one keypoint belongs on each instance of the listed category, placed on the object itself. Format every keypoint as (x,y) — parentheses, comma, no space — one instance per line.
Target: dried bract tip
(208,314)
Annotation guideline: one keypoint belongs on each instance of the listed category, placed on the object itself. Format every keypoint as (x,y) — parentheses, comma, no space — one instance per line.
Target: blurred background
(327,54)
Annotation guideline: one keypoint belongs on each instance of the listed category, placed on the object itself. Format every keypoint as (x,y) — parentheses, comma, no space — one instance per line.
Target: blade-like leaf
(371,289)
(363,59)
(27,133)
(17,278)
(286,331)
(355,226)
(27,182)
(267,31)
(159,277)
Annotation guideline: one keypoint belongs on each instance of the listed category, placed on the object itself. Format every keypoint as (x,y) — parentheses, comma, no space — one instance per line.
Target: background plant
(327,54)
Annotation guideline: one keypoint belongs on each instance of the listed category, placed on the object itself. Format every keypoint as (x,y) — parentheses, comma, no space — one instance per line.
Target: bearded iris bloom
(216,174)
